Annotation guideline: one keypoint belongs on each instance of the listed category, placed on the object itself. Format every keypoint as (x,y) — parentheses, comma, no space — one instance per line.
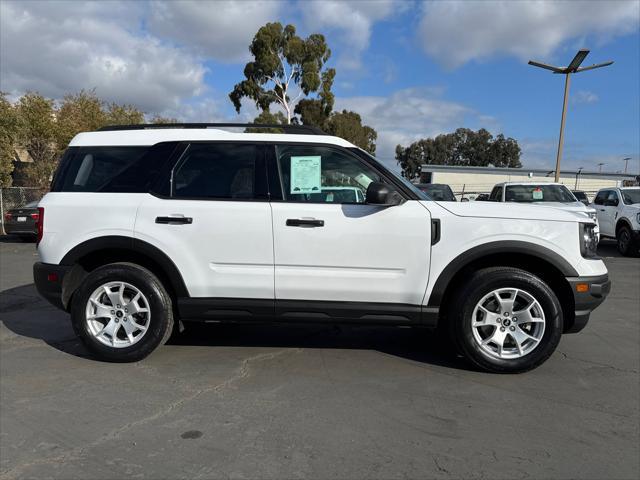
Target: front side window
(599,200)
(216,171)
(319,174)
(612,198)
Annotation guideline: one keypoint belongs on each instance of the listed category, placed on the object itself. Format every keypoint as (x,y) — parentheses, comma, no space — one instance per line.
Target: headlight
(588,240)
(592,215)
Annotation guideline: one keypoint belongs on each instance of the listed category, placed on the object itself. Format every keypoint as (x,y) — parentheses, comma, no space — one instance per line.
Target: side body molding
(132,246)
(526,249)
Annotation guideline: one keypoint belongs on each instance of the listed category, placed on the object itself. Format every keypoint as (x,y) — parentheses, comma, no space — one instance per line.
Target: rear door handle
(303,222)
(175,220)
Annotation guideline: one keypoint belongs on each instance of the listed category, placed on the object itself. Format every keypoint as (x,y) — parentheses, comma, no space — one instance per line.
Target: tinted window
(323,175)
(580,195)
(216,171)
(95,169)
(538,193)
(439,192)
(495,194)
(599,200)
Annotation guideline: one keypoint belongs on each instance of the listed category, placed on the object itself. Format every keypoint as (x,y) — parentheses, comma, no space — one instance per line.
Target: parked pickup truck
(618,212)
(150,227)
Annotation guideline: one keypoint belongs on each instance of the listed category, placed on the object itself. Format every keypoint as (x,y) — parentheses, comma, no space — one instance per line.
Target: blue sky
(411,69)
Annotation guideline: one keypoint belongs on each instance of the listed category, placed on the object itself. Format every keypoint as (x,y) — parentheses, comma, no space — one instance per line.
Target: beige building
(475,180)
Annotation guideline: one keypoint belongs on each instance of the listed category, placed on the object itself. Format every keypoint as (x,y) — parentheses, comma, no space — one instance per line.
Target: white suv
(545,194)
(145,227)
(619,217)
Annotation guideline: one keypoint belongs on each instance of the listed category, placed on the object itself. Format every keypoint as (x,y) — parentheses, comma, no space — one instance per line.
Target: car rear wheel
(506,320)
(122,312)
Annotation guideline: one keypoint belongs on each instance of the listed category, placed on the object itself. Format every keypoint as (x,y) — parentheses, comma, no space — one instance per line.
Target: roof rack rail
(294,129)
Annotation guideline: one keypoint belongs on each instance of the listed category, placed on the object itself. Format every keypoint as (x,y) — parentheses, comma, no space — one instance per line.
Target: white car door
(329,248)
(606,209)
(215,224)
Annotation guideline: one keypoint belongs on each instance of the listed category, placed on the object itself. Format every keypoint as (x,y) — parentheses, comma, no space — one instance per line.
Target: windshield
(631,196)
(438,192)
(538,193)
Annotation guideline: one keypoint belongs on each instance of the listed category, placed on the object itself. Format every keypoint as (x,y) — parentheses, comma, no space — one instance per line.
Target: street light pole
(573,67)
(567,81)
(577,174)
(600,167)
(626,162)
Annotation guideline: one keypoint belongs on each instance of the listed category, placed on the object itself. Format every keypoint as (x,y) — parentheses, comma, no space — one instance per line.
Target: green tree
(37,135)
(348,125)
(268,118)
(78,112)
(123,115)
(282,60)
(463,147)
(158,119)
(8,140)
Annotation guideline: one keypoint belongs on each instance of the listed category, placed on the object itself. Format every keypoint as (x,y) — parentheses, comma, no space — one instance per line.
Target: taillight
(7,217)
(40,224)
(35,216)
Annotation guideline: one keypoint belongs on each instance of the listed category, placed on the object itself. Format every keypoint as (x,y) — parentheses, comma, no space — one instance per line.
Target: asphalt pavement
(233,401)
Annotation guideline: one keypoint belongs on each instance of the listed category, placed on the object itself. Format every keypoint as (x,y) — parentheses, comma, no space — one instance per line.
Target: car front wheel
(506,320)
(122,312)
(626,245)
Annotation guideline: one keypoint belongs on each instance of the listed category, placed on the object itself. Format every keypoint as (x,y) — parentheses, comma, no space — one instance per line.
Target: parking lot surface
(313,401)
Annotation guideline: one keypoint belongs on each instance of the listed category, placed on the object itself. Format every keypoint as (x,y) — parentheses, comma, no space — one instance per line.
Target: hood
(512,210)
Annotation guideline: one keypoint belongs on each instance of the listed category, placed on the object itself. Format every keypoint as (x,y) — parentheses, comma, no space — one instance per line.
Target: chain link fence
(16,197)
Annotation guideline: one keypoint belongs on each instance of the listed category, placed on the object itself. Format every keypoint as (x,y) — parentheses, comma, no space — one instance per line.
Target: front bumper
(49,280)
(588,294)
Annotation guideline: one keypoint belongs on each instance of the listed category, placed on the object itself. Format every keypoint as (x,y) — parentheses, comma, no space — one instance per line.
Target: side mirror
(383,194)
(464,199)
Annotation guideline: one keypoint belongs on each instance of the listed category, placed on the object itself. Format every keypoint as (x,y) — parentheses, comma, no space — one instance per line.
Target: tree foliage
(348,125)
(8,138)
(282,60)
(38,128)
(464,147)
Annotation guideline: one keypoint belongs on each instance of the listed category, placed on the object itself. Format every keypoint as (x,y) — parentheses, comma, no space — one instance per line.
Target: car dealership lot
(313,401)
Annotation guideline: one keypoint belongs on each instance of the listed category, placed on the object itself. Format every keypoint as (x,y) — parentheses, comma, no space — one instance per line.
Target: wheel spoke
(497,339)
(525,316)
(101,310)
(129,329)
(520,336)
(114,298)
(488,320)
(121,294)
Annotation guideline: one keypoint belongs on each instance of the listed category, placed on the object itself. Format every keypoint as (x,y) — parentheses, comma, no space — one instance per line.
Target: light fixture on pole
(573,67)
(626,162)
(600,167)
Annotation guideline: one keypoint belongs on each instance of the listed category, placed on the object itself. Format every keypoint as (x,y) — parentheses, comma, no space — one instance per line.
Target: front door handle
(303,222)
(175,220)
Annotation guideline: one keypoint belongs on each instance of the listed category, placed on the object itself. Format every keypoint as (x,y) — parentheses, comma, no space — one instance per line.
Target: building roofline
(524,171)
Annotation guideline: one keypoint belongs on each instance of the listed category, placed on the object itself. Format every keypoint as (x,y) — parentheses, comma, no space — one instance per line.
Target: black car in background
(581,196)
(438,191)
(22,221)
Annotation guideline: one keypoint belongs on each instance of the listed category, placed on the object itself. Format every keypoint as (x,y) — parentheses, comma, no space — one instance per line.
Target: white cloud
(409,115)
(584,96)
(456,32)
(221,30)
(352,20)
(61,47)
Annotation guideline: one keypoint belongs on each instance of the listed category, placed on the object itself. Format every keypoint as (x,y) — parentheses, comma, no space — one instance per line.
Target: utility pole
(573,67)
(600,167)
(626,162)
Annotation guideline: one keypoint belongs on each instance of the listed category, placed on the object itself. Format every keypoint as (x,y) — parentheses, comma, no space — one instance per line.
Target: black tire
(484,282)
(626,245)
(161,319)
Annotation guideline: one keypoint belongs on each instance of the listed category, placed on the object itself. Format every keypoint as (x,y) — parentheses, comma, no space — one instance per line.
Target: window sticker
(305,174)
(537,194)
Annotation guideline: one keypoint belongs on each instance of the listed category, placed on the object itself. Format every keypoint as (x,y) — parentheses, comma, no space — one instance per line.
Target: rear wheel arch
(623,222)
(100,251)
(540,261)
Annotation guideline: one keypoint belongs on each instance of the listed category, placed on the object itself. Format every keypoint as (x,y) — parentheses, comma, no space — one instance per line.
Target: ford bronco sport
(148,226)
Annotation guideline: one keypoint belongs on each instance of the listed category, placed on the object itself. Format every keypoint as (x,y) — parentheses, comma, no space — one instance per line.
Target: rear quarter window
(125,169)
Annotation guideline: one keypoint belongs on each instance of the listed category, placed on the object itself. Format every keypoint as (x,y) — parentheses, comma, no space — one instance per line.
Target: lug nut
(113,312)
(498,320)
(502,329)
(513,329)
(515,319)
(506,314)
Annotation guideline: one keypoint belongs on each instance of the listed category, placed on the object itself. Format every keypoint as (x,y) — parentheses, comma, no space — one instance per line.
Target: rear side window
(216,171)
(495,194)
(111,169)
